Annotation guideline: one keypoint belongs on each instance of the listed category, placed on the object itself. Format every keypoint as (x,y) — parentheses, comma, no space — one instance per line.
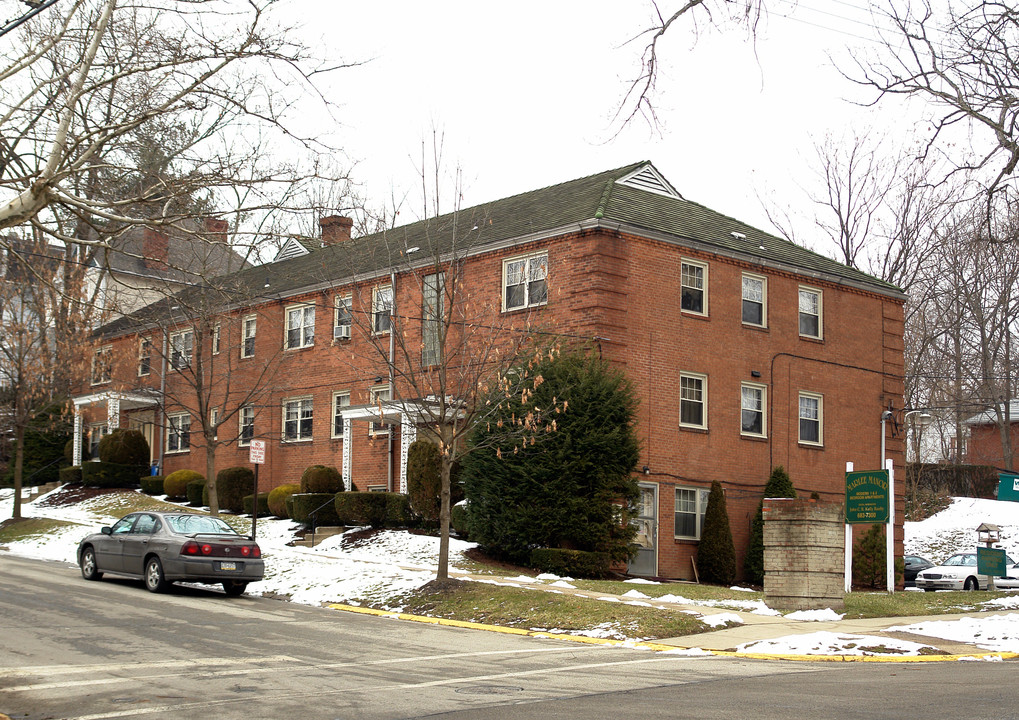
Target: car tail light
(190,548)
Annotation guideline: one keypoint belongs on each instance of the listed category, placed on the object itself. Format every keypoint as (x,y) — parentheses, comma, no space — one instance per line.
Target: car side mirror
(106,530)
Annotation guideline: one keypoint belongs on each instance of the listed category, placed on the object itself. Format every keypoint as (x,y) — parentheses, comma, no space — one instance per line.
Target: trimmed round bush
(153,485)
(197,494)
(278,499)
(232,484)
(398,512)
(321,479)
(125,447)
(319,503)
(263,504)
(175,485)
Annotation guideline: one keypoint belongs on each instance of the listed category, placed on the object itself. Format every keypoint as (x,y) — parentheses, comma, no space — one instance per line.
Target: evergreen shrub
(232,484)
(398,510)
(125,447)
(362,508)
(424,480)
(869,553)
(196,493)
(112,475)
(263,504)
(716,553)
(574,563)
(175,485)
(152,484)
(70,475)
(321,479)
(458,519)
(306,503)
(778,486)
(278,499)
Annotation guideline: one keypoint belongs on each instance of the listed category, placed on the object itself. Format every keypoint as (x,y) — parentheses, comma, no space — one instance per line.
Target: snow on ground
(379,568)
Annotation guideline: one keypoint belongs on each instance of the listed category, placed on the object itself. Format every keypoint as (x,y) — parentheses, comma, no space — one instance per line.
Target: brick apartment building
(746,351)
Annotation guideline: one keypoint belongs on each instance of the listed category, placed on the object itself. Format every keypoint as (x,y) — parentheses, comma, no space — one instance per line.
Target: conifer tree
(779,485)
(716,555)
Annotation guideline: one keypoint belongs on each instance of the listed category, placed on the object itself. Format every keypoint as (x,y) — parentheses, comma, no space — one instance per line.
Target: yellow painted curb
(658,647)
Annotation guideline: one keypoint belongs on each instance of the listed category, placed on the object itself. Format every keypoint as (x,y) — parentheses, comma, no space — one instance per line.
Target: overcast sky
(525,95)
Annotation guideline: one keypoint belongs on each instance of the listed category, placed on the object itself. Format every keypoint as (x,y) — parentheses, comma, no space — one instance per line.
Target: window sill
(298,349)
(753,438)
(810,446)
(177,452)
(812,339)
(754,326)
(683,539)
(525,308)
(294,441)
(339,438)
(694,315)
(694,429)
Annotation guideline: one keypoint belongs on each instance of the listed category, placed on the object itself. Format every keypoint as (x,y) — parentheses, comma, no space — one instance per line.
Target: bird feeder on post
(989,535)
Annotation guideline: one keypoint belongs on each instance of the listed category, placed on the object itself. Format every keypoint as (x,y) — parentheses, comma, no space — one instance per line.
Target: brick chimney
(215,230)
(155,248)
(335,229)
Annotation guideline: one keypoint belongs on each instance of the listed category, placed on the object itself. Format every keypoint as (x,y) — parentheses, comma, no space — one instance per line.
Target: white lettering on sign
(1015,484)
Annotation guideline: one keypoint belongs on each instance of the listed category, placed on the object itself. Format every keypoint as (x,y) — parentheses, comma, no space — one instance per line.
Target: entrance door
(144,423)
(646,521)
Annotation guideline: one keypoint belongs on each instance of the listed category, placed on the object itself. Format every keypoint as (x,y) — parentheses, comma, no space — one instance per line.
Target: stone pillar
(804,556)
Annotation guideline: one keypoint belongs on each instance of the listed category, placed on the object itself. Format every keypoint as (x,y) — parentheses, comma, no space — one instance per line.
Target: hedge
(70,475)
(576,563)
(112,475)
(362,508)
(306,503)
(278,499)
(398,510)
(175,485)
(263,504)
(153,485)
(197,494)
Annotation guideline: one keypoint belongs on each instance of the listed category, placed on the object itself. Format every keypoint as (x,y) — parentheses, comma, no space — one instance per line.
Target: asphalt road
(71,649)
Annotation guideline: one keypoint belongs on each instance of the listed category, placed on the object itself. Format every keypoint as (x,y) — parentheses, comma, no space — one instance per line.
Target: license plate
(227,566)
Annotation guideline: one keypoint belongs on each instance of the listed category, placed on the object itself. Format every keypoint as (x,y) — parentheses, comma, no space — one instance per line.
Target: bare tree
(959,57)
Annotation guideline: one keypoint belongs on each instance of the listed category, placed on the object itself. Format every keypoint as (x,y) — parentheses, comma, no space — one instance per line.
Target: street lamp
(923,419)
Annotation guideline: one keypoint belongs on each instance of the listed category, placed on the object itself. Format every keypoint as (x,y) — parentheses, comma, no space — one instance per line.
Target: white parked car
(1008,583)
(958,572)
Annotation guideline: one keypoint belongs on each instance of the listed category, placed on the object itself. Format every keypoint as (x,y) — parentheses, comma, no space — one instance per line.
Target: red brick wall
(621,294)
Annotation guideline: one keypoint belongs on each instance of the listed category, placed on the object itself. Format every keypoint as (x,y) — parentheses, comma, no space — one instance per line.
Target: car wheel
(233,588)
(971,584)
(89,568)
(928,589)
(154,580)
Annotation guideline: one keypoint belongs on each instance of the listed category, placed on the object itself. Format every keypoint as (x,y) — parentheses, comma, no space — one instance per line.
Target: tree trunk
(19,467)
(442,573)
(210,475)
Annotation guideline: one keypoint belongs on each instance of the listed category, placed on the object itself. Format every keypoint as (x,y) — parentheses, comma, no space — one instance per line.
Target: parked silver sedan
(958,572)
(165,547)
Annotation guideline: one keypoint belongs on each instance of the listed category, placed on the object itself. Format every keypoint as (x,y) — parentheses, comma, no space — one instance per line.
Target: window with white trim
(178,433)
(214,421)
(755,298)
(693,400)
(215,339)
(246,425)
(752,403)
(379,396)
(341,400)
(342,317)
(810,312)
(382,309)
(297,419)
(144,357)
(432,302)
(181,348)
(102,365)
(300,329)
(811,418)
(525,281)
(249,325)
(694,287)
(691,504)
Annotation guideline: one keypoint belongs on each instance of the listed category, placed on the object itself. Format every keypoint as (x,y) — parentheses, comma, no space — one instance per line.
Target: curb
(658,647)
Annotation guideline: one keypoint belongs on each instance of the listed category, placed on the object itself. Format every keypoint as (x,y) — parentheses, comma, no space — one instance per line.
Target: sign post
(869,498)
(256,456)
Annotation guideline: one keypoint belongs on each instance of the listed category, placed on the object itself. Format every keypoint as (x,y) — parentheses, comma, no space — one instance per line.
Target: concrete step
(321,533)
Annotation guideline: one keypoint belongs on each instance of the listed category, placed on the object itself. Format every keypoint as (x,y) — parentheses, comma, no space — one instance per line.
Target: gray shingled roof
(596,199)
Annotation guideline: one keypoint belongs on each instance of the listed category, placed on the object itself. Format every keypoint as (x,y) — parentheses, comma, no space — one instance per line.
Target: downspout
(162,403)
(392,389)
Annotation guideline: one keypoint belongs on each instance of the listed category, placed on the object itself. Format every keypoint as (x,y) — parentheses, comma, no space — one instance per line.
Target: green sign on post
(867,497)
(1008,487)
(991,561)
